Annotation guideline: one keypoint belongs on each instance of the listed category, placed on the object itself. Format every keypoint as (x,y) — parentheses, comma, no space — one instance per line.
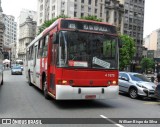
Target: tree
(127,51)
(92,17)
(147,63)
(49,22)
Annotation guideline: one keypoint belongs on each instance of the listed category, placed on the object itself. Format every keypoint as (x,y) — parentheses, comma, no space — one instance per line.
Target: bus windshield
(87,50)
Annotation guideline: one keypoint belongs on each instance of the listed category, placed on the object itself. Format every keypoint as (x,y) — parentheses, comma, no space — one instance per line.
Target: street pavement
(19,100)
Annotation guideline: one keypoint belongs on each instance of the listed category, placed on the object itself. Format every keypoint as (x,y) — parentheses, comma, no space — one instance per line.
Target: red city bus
(75,59)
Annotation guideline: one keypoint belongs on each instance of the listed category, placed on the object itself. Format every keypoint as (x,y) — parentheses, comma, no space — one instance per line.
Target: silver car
(136,84)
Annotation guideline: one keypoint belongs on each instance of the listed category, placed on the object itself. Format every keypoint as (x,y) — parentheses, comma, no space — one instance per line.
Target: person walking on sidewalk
(158,77)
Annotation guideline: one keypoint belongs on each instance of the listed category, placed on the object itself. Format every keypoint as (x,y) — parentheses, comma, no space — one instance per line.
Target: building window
(41,7)
(82,1)
(82,8)
(89,2)
(75,6)
(89,9)
(95,11)
(53,7)
(82,14)
(62,12)
(75,14)
(96,2)
(63,4)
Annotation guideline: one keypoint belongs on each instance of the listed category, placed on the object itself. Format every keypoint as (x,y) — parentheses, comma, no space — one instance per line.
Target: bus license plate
(90,97)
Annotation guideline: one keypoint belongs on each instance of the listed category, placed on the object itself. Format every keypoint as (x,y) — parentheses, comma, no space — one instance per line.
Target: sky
(151,17)
(13,7)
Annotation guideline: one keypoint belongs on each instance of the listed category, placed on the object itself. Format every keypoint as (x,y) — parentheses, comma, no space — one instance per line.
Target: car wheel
(133,93)
(45,90)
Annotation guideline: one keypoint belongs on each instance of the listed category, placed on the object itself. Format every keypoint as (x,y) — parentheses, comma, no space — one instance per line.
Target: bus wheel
(29,79)
(45,90)
(2,80)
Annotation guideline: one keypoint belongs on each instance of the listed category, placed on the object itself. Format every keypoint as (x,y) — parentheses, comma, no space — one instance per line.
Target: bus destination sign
(89,26)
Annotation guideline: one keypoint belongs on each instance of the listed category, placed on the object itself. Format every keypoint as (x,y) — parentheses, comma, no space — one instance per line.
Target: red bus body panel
(88,77)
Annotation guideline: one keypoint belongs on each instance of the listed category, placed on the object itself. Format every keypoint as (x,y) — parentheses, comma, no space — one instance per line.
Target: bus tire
(45,90)
(2,79)
(29,79)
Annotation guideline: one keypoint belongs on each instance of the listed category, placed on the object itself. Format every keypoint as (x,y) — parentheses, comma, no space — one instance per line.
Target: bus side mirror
(119,43)
(55,38)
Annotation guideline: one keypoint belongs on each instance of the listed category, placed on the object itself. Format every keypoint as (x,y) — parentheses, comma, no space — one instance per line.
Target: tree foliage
(147,63)
(127,51)
(92,17)
(49,22)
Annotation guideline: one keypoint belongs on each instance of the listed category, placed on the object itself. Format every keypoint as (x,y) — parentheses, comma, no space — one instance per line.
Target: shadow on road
(139,98)
(80,104)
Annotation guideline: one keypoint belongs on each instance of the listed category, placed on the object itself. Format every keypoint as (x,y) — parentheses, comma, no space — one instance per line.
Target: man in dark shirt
(158,77)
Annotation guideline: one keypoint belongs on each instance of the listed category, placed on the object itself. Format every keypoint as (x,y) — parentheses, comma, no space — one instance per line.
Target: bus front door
(35,67)
(51,68)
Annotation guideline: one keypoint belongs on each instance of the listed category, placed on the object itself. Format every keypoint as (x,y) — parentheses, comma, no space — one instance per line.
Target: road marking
(152,103)
(118,125)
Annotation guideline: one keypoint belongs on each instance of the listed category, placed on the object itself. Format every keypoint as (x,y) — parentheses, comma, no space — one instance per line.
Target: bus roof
(73,19)
(58,20)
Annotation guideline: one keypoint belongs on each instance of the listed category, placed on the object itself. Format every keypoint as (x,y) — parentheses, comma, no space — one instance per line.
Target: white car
(136,84)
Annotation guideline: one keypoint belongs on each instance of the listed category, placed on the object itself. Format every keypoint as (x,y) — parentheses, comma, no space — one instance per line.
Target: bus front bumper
(66,92)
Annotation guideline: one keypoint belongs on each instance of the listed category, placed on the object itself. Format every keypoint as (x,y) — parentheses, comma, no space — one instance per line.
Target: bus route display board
(88,26)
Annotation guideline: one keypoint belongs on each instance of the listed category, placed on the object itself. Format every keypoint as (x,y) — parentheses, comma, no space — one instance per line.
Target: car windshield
(139,77)
(87,50)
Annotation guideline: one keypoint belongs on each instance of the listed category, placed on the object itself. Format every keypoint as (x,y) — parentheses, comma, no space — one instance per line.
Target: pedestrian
(152,79)
(158,77)
(7,65)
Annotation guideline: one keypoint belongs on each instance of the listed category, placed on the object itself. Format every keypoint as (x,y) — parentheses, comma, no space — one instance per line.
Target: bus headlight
(114,82)
(63,82)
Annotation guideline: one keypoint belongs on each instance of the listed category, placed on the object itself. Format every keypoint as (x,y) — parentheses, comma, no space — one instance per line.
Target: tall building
(21,19)
(107,10)
(152,41)
(10,29)
(133,23)
(27,32)
(24,13)
(2,28)
(158,39)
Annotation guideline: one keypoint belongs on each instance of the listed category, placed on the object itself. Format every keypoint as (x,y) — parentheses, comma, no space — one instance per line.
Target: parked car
(157,92)
(16,70)
(136,84)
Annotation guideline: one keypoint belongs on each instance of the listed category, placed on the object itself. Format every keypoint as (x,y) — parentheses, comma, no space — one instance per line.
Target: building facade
(133,23)
(21,19)
(10,35)
(27,32)
(107,10)
(13,52)
(2,28)
(152,41)
(158,39)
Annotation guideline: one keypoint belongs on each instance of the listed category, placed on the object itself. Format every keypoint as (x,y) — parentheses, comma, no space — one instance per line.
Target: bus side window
(29,55)
(32,52)
(45,46)
(40,48)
